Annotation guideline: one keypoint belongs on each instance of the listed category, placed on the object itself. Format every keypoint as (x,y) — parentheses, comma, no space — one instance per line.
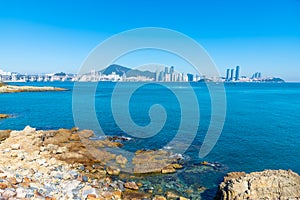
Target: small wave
(167,147)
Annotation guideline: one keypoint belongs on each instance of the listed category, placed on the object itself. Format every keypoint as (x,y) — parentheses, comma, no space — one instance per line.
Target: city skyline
(36,40)
(123,74)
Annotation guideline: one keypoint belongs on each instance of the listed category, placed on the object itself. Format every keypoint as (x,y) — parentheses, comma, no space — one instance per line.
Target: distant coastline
(118,73)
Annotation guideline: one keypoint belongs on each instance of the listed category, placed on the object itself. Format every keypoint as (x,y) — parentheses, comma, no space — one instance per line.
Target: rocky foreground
(267,185)
(66,164)
(12,89)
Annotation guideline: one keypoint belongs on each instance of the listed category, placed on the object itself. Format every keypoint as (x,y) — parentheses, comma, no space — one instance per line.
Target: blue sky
(51,36)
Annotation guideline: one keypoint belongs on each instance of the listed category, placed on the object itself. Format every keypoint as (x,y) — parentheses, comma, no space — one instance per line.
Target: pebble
(15,146)
(85,178)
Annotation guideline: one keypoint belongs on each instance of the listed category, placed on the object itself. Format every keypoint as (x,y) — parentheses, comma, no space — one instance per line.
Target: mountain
(120,70)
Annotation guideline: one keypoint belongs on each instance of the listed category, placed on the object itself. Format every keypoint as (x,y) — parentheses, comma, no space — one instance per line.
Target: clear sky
(52,36)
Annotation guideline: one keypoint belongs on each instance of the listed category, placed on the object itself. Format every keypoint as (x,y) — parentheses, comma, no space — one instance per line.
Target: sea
(261,128)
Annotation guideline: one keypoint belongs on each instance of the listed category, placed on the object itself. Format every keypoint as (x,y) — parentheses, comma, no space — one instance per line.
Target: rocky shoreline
(4,88)
(58,165)
(68,164)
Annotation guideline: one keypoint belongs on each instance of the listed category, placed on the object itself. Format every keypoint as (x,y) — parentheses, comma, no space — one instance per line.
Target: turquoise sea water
(261,131)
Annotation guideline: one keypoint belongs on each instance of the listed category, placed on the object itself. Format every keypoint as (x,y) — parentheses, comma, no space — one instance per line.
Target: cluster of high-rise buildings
(169,75)
(233,75)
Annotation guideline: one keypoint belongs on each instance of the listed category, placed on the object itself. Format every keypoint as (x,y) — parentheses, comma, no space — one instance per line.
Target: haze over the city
(44,37)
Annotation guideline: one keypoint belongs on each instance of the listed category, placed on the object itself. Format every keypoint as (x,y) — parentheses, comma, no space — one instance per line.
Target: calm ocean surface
(261,131)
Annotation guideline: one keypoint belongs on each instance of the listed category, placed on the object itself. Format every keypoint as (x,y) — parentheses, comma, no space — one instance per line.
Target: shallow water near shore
(261,131)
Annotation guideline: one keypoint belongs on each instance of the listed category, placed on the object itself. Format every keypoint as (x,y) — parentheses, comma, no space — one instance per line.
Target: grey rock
(85,178)
(74,174)
(89,191)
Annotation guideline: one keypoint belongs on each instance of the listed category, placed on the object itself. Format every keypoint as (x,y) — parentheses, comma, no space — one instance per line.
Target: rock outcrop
(13,89)
(269,184)
(4,116)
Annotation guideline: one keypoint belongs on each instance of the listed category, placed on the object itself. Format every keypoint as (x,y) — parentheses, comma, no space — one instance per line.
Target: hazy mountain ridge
(121,70)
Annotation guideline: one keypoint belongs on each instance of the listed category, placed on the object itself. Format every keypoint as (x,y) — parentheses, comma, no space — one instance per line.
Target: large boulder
(4,134)
(269,184)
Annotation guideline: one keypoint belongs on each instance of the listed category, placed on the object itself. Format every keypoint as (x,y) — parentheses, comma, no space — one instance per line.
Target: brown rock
(117,194)
(171,195)
(4,134)
(74,129)
(4,116)
(86,134)
(177,166)
(157,197)
(91,196)
(49,198)
(234,175)
(75,137)
(139,184)
(168,170)
(95,198)
(106,195)
(27,180)
(59,137)
(131,194)
(112,170)
(3,185)
(269,184)
(151,161)
(131,185)
(121,160)
(183,198)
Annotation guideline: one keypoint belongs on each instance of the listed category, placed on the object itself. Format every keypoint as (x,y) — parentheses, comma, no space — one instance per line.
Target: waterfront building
(227,74)
(237,73)
(232,75)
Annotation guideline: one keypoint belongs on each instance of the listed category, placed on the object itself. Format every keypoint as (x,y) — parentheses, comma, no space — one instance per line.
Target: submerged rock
(153,161)
(269,184)
(130,194)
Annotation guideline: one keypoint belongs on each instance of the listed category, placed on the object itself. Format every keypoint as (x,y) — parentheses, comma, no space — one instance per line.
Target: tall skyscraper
(237,73)
(259,75)
(172,74)
(166,70)
(171,70)
(190,77)
(232,75)
(227,74)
